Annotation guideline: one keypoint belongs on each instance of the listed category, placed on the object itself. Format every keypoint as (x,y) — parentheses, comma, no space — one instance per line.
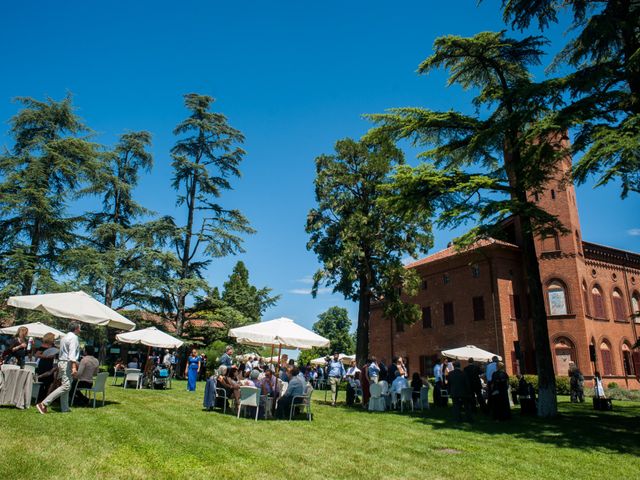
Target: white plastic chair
(222,393)
(31,364)
(99,385)
(305,403)
(31,367)
(377,403)
(386,394)
(8,366)
(406,396)
(133,375)
(249,397)
(423,403)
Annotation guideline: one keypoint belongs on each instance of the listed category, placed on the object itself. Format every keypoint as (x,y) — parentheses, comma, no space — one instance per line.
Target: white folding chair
(116,375)
(385,393)
(249,397)
(305,403)
(222,393)
(406,396)
(133,375)
(423,403)
(377,403)
(99,385)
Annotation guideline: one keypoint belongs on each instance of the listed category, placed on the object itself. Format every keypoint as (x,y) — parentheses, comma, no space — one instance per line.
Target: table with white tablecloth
(16,388)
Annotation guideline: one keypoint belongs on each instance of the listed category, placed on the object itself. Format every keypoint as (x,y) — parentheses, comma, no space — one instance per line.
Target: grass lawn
(166,434)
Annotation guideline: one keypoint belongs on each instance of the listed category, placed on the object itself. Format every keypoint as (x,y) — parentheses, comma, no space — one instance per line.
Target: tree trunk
(547,400)
(362,332)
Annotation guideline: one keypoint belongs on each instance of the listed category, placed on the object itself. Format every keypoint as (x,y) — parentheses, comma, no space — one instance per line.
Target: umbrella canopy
(470,351)
(73,305)
(36,330)
(347,359)
(282,332)
(151,337)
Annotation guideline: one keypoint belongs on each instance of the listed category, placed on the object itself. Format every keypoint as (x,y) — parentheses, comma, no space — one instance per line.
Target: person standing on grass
(18,347)
(373,370)
(226,359)
(576,383)
(192,370)
(336,372)
(500,394)
(472,371)
(460,393)
(438,379)
(67,369)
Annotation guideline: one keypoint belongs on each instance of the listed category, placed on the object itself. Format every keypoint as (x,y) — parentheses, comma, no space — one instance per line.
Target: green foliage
(359,241)
(563,385)
(205,157)
(612,385)
(335,324)
(213,352)
(250,301)
(50,161)
(604,88)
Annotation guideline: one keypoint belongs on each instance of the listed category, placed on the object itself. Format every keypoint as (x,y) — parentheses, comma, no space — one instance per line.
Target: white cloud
(308,280)
(634,232)
(307,291)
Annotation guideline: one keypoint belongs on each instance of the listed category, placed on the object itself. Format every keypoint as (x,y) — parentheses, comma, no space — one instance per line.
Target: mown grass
(144,434)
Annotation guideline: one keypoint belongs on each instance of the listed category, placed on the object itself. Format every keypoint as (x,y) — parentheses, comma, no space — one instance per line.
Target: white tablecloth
(15,388)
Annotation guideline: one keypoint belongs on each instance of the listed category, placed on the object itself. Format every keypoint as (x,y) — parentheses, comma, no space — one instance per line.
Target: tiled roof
(168,326)
(451,251)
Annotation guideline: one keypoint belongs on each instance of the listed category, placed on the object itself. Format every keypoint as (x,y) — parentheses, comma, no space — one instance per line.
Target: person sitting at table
(269,384)
(229,384)
(46,354)
(398,384)
(133,363)
(295,388)
(416,386)
(254,376)
(88,369)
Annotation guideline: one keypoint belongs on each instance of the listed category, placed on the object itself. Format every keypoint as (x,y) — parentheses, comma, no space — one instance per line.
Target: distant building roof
(167,325)
(452,251)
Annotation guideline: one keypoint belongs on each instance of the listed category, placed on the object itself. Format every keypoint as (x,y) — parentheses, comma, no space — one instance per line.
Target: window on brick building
(475,271)
(565,353)
(551,243)
(618,306)
(605,355)
(426,365)
(553,194)
(557,298)
(516,308)
(445,278)
(448,313)
(585,298)
(426,317)
(424,284)
(399,325)
(635,303)
(627,360)
(478,308)
(598,303)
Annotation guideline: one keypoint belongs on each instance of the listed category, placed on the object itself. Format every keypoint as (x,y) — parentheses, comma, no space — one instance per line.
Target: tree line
(123,253)
(373,210)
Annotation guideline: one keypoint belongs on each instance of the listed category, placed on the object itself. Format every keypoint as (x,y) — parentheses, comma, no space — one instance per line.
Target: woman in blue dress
(192,370)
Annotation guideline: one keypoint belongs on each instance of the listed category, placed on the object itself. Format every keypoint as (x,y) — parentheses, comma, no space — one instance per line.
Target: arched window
(627,360)
(618,306)
(557,296)
(585,298)
(635,303)
(598,303)
(565,353)
(605,355)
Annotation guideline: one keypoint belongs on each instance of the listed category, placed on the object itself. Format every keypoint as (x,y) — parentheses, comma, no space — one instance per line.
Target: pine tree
(488,166)
(205,157)
(239,294)
(49,163)
(359,241)
(604,88)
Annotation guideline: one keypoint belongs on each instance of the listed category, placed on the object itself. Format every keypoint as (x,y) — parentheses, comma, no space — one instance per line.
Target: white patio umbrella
(151,337)
(75,306)
(281,332)
(36,330)
(470,351)
(342,357)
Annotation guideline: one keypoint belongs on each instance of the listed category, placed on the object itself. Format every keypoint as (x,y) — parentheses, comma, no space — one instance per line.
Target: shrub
(612,385)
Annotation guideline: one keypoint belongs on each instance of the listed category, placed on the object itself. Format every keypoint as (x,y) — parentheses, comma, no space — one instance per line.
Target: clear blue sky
(293,76)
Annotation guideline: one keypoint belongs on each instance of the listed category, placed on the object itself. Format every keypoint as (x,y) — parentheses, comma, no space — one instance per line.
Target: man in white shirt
(67,369)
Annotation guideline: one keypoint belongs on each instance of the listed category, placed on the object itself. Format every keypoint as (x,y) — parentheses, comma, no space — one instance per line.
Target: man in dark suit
(460,392)
(472,371)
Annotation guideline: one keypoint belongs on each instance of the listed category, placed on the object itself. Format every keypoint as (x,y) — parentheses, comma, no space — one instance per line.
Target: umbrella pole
(279,352)
(271,358)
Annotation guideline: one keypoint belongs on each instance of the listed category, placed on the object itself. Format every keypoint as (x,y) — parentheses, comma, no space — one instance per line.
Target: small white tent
(281,332)
(36,330)
(151,337)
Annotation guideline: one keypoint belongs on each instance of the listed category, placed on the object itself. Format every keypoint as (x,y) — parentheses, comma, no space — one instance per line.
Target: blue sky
(294,77)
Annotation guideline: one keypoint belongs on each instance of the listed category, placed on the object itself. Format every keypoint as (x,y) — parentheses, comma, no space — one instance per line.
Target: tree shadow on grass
(577,426)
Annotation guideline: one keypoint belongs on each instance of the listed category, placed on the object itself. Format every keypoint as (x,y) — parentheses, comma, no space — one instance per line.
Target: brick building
(478,297)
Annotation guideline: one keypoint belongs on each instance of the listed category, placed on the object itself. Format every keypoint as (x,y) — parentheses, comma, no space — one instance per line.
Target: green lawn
(166,434)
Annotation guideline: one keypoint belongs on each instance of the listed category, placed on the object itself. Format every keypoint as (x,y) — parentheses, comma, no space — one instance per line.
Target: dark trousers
(351,394)
(283,408)
(459,404)
(478,400)
(437,398)
(80,399)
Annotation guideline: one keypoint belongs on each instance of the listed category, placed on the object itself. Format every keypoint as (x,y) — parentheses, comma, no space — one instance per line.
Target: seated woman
(46,354)
(416,386)
(229,384)
(133,363)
